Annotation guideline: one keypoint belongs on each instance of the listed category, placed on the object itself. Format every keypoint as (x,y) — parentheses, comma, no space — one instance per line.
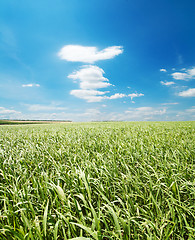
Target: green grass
(97,181)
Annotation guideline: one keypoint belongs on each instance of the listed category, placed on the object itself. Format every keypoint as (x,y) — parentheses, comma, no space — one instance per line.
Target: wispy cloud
(175,103)
(191,110)
(167,83)
(31,85)
(187,114)
(144,113)
(43,108)
(188,93)
(186,74)
(7,111)
(78,53)
(89,95)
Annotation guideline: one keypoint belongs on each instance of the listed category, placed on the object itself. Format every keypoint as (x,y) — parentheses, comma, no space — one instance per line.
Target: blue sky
(84,60)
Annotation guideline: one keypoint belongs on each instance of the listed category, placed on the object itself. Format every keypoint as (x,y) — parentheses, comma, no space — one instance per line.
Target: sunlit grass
(97,181)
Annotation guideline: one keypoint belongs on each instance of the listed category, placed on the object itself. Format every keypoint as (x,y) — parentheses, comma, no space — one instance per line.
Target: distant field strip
(18,122)
(98,181)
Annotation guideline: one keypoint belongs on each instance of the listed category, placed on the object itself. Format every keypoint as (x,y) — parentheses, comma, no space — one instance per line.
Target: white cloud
(133,95)
(78,53)
(89,95)
(186,75)
(31,85)
(180,76)
(167,83)
(43,108)
(188,93)
(121,95)
(163,70)
(117,95)
(90,77)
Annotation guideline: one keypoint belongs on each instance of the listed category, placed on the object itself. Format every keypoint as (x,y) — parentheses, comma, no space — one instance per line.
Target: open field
(98,181)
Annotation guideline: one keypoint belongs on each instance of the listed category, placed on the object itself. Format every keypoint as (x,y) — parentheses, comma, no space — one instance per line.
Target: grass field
(98,181)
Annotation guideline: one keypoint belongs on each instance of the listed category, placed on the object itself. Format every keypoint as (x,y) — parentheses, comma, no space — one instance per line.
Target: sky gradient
(97,60)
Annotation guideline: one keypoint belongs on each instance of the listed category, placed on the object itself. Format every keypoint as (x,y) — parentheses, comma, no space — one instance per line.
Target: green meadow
(128,180)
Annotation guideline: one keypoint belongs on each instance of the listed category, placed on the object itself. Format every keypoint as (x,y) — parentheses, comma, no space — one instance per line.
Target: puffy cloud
(180,76)
(90,77)
(167,83)
(78,53)
(133,95)
(31,85)
(186,75)
(90,80)
(117,95)
(122,95)
(188,93)
(163,70)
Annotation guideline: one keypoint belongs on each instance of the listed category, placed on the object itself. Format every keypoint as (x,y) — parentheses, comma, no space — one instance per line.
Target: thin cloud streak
(31,85)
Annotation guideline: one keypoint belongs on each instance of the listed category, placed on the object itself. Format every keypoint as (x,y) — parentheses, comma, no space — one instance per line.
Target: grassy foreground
(97,181)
